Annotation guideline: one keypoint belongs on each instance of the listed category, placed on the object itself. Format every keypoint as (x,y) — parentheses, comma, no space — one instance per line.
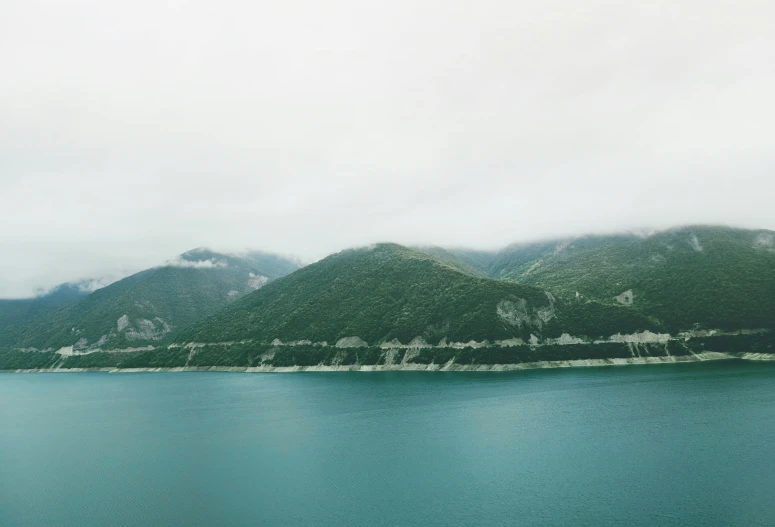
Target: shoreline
(449,367)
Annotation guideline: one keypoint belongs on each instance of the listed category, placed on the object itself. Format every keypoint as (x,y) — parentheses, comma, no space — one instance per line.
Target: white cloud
(90,285)
(257,281)
(211,263)
(137,131)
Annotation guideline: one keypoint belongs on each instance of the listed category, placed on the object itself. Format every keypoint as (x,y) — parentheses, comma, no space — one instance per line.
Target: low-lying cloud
(136,131)
(211,263)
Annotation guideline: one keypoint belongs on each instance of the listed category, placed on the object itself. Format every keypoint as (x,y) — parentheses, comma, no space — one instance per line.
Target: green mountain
(151,307)
(516,260)
(457,259)
(693,293)
(18,311)
(683,279)
(389,292)
(691,277)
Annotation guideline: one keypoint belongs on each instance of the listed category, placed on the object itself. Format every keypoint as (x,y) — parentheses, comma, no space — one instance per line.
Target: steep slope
(20,311)
(454,259)
(588,301)
(519,259)
(150,307)
(387,292)
(690,277)
(705,277)
(480,261)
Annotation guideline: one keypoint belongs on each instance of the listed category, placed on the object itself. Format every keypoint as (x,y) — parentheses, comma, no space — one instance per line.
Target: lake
(684,444)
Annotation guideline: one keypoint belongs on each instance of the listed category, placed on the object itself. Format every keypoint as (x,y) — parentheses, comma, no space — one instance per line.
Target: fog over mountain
(132,133)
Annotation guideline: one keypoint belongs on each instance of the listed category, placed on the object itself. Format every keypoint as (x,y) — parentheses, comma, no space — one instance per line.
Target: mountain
(694,293)
(151,307)
(518,259)
(686,279)
(390,293)
(18,311)
(457,259)
(690,277)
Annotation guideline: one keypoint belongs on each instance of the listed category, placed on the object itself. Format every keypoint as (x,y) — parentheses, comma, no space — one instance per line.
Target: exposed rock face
(142,329)
(66,351)
(639,338)
(625,298)
(269,355)
(278,342)
(351,342)
(758,356)
(391,364)
(409,355)
(392,356)
(686,335)
(148,329)
(516,312)
(698,333)
(395,343)
(545,314)
(461,345)
(339,358)
(566,339)
(510,342)
(418,342)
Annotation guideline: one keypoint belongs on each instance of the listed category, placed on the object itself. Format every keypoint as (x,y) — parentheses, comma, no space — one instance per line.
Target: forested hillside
(561,296)
(388,292)
(692,277)
(152,306)
(19,311)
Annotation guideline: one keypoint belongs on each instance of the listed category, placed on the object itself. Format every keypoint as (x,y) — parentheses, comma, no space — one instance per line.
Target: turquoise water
(647,445)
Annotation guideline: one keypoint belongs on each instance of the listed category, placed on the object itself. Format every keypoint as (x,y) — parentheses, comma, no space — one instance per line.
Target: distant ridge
(696,276)
(18,311)
(149,307)
(388,292)
(691,293)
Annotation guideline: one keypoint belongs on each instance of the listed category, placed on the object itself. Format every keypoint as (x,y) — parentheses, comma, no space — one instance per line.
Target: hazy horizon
(132,133)
(118,272)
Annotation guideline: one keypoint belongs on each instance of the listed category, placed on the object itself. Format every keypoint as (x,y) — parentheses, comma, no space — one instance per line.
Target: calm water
(664,445)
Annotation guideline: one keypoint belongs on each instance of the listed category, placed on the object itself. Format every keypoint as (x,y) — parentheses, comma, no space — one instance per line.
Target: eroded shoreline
(449,367)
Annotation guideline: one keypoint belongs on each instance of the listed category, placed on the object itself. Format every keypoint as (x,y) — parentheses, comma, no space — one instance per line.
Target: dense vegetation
(699,277)
(709,277)
(18,311)
(157,303)
(683,279)
(244,355)
(99,359)
(27,360)
(391,292)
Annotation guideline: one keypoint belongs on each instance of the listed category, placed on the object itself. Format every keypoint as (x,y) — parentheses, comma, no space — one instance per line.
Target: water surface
(686,444)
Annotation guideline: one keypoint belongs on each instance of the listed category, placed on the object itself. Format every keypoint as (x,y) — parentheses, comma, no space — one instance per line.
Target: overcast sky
(133,131)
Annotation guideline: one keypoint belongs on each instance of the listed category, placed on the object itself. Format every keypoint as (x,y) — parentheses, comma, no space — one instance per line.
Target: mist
(132,133)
